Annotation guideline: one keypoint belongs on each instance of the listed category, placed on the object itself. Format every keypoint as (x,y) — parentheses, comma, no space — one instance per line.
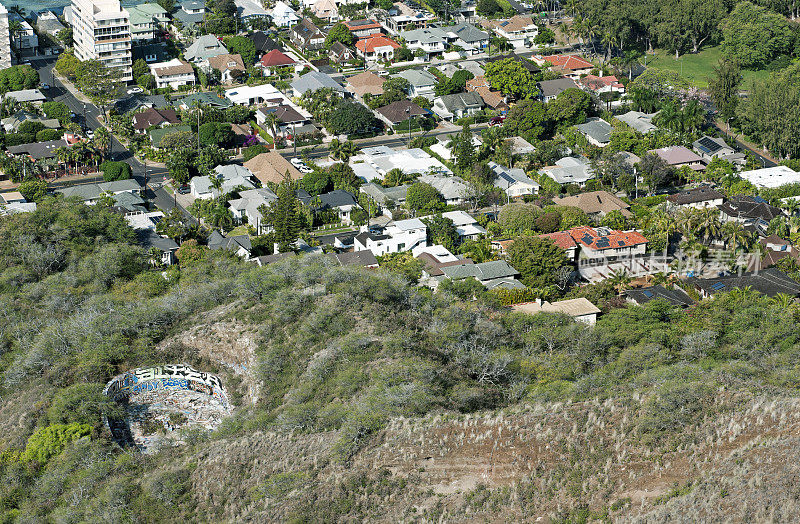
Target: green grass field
(697,68)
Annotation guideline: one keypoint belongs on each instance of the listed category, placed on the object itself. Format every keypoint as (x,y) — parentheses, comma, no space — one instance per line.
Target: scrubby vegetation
(339,375)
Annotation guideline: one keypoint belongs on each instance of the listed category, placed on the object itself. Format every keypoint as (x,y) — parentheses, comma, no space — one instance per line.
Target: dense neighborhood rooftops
(567,62)
(204,48)
(596,83)
(461,101)
(38,150)
(315,80)
(271,167)
(570,170)
(418,77)
(361,25)
(373,42)
(596,129)
(678,155)
(562,239)
(746,207)
(227,62)
(695,195)
(638,121)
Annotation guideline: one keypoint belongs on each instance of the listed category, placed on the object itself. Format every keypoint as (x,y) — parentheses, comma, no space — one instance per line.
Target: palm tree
(620,279)
(609,39)
(216,183)
(273,124)
(335,148)
(63,156)
(349,149)
(790,206)
(693,116)
(669,117)
(736,235)
(739,294)
(783,300)
(708,222)
(102,139)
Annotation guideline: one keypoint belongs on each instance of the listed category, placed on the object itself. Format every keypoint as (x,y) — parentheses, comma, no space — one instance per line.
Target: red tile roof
(568,62)
(591,238)
(275,58)
(360,25)
(562,239)
(596,82)
(372,42)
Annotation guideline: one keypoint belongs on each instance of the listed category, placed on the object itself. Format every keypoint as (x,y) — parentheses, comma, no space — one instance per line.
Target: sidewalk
(69,86)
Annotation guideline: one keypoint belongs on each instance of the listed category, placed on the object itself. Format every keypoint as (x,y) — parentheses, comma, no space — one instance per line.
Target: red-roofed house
(602,242)
(679,156)
(569,65)
(376,47)
(565,241)
(273,60)
(602,84)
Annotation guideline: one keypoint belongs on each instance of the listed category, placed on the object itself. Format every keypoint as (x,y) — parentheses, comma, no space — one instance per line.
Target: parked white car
(300,165)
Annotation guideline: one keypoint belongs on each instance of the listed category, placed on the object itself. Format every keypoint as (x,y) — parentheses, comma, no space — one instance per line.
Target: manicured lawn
(697,68)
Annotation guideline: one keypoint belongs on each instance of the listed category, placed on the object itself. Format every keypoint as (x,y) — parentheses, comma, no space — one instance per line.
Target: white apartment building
(102,31)
(26,37)
(403,235)
(5,39)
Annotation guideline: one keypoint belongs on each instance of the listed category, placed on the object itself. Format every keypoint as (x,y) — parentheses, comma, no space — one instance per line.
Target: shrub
(115,170)
(46,135)
(50,441)
(17,139)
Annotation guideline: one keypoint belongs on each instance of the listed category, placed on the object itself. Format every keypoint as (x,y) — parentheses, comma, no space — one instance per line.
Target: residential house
(413,161)
(306,35)
(604,243)
(202,99)
(315,80)
(283,15)
(203,48)
(697,198)
(92,193)
(775,249)
(453,188)
(174,74)
(47,22)
(458,105)
(399,111)
(769,282)
(596,130)
(340,53)
(402,17)
(355,258)
(275,60)
(238,244)
(231,177)
(326,10)
(602,84)
(154,118)
(340,201)
(38,150)
(429,40)
(520,146)
(580,309)
(531,66)
(387,198)
(158,134)
(271,167)
(11,124)
(550,89)
(679,156)
(229,66)
(255,95)
(366,82)
(468,37)
(421,83)
(248,207)
(263,43)
(675,296)
(466,226)
(519,30)
(568,65)
(493,99)
(443,146)
(775,176)
(363,28)
(251,10)
(190,14)
(595,203)
(638,121)
(403,235)
(753,212)
(135,102)
(265,260)
(34,96)
(494,274)
(710,148)
(288,118)
(149,240)
(570,170)
(564,240)
(145,21)
(514,182)
(376,47)
(25,37)
(150,53)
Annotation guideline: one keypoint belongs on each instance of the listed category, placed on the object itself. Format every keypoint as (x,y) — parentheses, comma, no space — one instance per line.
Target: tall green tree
(536,259)
(339,33)
(285,215)
(724,87)
(511,78)
(463,150)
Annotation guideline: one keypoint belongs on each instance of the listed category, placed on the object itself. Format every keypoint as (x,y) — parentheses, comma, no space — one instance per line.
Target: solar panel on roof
(587,238)
(648,294)
(708,145)
(718,286)
(620,242)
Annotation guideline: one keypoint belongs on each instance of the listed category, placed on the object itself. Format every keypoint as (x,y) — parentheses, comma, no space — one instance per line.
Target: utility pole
(408,114)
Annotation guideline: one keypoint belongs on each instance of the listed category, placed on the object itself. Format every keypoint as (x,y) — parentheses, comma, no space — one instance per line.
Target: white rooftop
(771,176)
